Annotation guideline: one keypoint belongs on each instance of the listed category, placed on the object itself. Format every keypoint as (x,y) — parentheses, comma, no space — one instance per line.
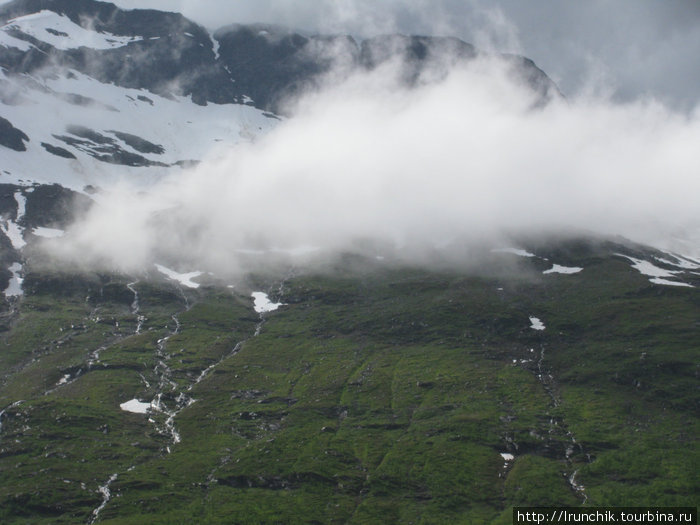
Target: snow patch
(62,33)
(536,324)
(262,303)
(21,201)
(658,280)
(185,130)
(681,262)
(135,406)
(215,47)
(10,228)
(514,251)
(14,233)
(14,289)
(49,233)
(648,269)
(185,279)
(658,275)
(563,269)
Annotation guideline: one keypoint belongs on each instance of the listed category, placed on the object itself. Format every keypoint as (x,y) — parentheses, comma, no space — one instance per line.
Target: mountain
(373,393)
(260,63)
(541,370)
(142,88)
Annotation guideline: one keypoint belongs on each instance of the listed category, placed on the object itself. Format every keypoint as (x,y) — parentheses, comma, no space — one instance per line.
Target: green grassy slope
(380,394)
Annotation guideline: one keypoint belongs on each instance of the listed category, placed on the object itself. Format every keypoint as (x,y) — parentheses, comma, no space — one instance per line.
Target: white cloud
(370,160)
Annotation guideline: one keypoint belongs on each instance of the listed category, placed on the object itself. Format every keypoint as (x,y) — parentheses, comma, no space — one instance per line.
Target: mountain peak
(166,53)
(101,64)
(103,17)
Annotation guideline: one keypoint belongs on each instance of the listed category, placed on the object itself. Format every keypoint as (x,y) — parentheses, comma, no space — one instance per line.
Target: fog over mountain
(408,143)
(465,157)
(627,48)
(347,262)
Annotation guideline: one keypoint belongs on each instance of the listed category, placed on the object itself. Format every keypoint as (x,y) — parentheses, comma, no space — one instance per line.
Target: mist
(454,160)
(627,48)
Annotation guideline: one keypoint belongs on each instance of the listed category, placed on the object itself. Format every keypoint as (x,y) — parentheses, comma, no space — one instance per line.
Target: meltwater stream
(167,389)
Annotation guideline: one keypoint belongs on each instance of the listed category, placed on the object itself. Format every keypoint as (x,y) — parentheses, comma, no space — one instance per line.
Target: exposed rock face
(11,137)
(53,206)
(259,64)
(105,148)
(271,64)
(96,91)
(168,53)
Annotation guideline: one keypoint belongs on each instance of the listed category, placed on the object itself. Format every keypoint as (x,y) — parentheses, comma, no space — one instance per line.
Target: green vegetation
(376,395)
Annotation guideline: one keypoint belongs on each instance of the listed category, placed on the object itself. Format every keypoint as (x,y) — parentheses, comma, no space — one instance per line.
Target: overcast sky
(625,48)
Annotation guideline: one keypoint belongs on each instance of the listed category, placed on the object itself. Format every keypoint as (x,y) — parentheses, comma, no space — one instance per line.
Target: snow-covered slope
(60,32)
(91,94)
(93,133)
(100,93)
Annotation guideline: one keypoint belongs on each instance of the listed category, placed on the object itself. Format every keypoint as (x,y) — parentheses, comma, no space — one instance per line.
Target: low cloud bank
(467,157)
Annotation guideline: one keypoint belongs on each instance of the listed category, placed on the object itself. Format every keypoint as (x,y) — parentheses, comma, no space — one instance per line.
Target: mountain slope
(105,94)
(264,64)
(361,389)
(375,393)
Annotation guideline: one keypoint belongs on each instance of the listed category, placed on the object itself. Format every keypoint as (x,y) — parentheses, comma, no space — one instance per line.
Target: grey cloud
(632,48)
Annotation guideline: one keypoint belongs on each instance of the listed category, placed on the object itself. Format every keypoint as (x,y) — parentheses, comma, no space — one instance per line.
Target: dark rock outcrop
(259,64)
(11,137)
